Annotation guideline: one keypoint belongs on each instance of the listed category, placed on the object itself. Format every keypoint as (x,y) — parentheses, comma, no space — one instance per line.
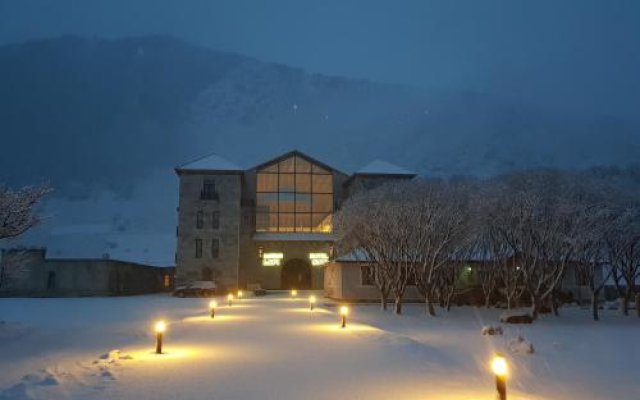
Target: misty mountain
(104,119)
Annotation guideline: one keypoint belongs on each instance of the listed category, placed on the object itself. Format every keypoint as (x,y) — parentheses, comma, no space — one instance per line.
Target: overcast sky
(578,56)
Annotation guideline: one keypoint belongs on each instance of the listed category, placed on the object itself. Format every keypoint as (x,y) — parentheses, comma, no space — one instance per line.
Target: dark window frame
(198,244)
(215,248)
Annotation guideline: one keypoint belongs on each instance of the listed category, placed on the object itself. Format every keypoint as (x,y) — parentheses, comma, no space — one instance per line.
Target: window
(209,190)
(199,220)
(366,275)
(294,195)
(215,248)
(215,220)
(198,248)
(166,282)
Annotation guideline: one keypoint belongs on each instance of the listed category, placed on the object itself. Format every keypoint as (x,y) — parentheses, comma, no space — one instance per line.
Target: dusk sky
(576,56)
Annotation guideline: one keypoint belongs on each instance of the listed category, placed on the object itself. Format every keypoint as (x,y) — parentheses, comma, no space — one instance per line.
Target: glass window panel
(287,182)
(319,170)
(303,183)
(266,202)
(322,203)
(303,202)
(266,222)
(303,222)
(287,202)
(287,222)
(322,222)
(322,183)
(288,165)
(302,165)
(267,182)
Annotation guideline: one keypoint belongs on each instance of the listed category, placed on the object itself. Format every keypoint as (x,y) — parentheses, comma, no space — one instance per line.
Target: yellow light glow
(213,304)
(312,299)
(318,259)
(294,293)
(230,296)
(499,366)
(344,310)
(272,259)
(240,294)
(160,327)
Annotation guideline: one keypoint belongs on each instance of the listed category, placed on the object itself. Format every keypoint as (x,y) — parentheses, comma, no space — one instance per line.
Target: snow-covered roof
(212,162)
(380,167)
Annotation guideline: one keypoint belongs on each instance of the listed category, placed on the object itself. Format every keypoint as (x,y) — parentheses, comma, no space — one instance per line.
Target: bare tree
(17,215)
(17,209)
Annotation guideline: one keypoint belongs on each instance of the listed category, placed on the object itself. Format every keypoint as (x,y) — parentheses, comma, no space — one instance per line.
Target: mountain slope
(106,121)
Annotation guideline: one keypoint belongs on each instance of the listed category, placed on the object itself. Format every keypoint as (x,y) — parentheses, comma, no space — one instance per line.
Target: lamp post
(212,308)
(500,370)
(294,293)
(160,327)
(344,311)
(230,299)
(240,294)
(312,302)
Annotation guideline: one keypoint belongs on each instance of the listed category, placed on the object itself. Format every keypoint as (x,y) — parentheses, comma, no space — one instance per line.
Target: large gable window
(294,195)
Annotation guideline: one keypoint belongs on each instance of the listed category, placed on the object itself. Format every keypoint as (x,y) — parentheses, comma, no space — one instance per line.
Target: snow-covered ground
(274,348)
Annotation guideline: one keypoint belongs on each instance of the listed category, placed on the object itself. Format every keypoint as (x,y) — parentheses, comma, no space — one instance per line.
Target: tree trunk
(594,306)
(624,304)
(509,301)
(429,305)
(383,301)
(487,300)
(555,305)
(534,307)
(398,305)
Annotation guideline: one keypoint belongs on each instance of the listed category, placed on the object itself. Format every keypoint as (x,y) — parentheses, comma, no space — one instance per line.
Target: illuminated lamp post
(230,299)
(294,293)
(312,302)
(240,294)
(500,370)
(160,327)
(344,311)
(212,308)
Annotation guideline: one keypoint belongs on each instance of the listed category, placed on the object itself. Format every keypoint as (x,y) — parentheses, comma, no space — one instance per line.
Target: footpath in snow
(275,348)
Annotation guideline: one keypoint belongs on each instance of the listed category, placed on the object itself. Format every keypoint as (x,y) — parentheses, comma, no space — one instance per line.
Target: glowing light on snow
(499,366)
(344,311)
(160,327)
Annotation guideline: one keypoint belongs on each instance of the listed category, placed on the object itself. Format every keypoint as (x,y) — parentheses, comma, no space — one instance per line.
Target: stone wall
(40,276)
(223,268)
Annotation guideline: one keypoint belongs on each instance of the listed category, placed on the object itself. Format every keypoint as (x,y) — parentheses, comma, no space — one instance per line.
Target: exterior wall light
(312,302)
(344,311)
(500,369)
(240,294)
(160,328)
(212,308)
(230,299)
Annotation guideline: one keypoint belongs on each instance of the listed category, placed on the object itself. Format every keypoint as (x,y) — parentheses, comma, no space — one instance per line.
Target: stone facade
(27,272)
(225,203)
(242,243)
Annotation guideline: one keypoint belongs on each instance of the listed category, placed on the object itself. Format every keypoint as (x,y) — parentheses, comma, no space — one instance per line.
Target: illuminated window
(294,195)
(272,259)
(166,281)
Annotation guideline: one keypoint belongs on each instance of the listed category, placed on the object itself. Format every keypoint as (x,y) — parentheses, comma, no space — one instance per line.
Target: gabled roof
(211,162)
(299,154)
(380,167)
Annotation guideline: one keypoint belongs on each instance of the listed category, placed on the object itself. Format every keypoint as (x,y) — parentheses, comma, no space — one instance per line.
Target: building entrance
(296,274)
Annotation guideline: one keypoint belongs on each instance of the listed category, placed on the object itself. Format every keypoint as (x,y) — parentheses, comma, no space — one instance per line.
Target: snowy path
(274,348)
